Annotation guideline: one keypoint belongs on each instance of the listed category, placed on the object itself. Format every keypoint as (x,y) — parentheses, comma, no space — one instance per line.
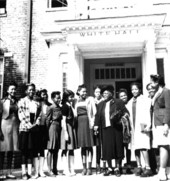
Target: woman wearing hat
(109,113)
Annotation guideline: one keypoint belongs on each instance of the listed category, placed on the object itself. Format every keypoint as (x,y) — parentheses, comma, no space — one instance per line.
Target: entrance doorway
(119,72)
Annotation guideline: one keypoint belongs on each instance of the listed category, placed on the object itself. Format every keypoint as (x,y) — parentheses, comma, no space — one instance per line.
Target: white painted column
(166,67)
(75,68)
(149,65)
(54,73)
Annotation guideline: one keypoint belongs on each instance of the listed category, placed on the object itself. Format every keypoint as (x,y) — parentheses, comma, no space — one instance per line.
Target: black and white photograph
(85,90)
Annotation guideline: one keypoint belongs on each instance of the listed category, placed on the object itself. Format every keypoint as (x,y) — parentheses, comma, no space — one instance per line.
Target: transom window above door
(115,73)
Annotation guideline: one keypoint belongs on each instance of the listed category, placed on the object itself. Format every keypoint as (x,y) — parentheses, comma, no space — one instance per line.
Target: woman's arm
(49,117)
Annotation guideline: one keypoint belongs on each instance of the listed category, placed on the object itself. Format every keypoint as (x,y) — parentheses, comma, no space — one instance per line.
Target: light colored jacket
(139,139)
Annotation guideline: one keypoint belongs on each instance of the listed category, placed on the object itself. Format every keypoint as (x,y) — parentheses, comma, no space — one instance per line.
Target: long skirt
(10,130)
(112,143)
(84,133)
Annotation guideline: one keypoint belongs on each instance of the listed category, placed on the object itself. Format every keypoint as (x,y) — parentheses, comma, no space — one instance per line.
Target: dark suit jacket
(162,108)
(115,104)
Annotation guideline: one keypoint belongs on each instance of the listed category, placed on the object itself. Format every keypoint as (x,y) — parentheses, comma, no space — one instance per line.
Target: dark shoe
(138,171)
(24,177)
(55,172)
(147,173)
(103,170)
(89,171)
(117,172)
(84,172)
(29,176)
(128,171)
(108,172)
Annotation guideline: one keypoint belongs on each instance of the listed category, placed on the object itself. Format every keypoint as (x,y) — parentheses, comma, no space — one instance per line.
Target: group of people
(39,129)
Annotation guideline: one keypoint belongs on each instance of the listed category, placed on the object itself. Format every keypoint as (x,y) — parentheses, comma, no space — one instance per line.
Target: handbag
(126,129)
(116,116)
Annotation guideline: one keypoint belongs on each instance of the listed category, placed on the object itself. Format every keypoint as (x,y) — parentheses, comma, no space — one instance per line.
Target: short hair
(53,94)
(137,84)
(83,86)
(66,94)
(12,84)
(122,90)
(147,86)
(30,85)
(158,78)
(43,91)
(97,87)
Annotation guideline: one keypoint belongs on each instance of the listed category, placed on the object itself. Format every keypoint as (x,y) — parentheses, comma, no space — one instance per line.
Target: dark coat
(115,105)
(161,108)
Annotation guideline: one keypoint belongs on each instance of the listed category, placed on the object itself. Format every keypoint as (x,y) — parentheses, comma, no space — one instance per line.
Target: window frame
(49,6)
(2,83)
(3,10)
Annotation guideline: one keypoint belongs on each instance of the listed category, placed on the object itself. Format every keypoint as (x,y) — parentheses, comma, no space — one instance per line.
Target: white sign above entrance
(125,35)
(107,33)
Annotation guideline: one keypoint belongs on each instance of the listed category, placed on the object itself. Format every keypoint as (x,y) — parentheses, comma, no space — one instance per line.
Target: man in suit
(161,118)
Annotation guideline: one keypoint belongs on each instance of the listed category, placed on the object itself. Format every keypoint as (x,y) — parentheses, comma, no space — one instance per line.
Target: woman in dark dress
(9,129)
(85,109)
(108,119)
(98,98)
(28,112)
(68,134)
(41,134)
(53,121)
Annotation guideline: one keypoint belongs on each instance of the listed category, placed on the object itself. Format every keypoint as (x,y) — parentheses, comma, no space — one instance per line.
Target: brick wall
(39,49)
(13,33)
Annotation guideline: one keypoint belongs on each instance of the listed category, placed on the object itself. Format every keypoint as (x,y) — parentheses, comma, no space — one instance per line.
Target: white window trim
(2,84)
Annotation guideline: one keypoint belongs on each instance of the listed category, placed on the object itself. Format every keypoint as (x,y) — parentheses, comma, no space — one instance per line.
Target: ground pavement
(79,177)
(93,177)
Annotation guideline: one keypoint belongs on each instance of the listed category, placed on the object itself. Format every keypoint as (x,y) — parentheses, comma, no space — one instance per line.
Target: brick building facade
(44,41)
